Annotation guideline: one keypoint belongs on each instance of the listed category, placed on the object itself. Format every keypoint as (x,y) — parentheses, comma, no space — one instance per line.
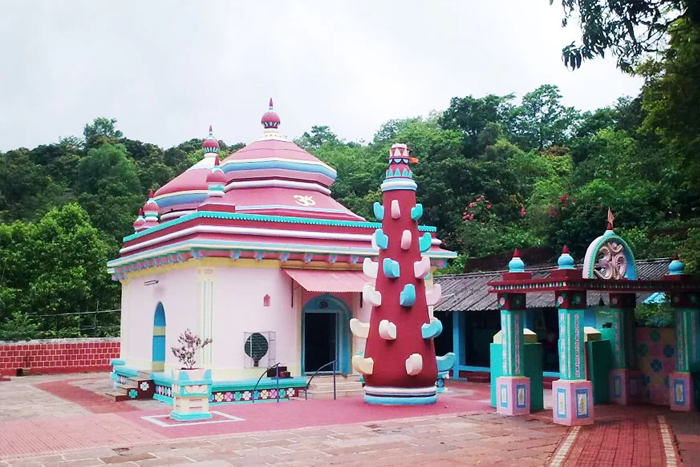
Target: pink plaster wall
(177,290)
(239,308)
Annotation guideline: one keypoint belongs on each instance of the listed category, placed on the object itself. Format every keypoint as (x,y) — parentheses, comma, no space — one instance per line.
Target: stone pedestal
(191,392)
(573,402)
(513,395)
(681,389)
(625,386)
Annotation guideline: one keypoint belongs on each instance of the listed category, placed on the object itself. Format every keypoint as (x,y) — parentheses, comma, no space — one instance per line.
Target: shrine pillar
(572,393)
(513,387)
(687,313)
(625,379)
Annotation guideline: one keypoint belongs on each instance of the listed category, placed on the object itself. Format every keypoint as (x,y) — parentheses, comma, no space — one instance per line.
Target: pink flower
(471,217)
(488,206)
(523,212)
(472,204)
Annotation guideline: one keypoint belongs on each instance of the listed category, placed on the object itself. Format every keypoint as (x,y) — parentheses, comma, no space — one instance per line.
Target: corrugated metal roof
(329,281)
(470,292)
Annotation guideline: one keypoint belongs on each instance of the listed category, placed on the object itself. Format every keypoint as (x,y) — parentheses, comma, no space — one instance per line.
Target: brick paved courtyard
(66,421)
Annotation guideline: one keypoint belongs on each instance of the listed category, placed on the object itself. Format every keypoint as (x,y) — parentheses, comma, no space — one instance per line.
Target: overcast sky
(167,69)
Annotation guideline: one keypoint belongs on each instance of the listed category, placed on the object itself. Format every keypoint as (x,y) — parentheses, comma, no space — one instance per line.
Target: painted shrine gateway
(252,252)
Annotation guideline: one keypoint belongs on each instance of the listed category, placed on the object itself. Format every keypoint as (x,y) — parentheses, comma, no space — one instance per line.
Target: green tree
(541,120)
(630,29)
(110,189)
(102,130)
(52,267)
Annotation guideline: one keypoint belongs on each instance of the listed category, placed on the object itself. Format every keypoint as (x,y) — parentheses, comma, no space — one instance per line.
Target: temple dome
(275,176)
(188,190)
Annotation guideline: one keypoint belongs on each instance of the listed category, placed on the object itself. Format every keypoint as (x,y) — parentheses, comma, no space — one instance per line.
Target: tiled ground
(66,421)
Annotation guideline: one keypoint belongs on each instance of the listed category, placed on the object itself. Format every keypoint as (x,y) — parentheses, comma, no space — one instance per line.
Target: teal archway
(158,353)
(325,334)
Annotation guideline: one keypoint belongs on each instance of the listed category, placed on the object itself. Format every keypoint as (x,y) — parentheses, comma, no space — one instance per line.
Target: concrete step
(117,396)
(339,384)
(329,394)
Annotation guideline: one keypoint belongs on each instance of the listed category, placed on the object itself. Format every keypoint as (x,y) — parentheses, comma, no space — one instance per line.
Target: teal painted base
(190,417)
(396,400)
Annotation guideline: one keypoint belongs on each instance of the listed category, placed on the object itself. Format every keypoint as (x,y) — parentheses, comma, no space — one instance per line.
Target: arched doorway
(158,356)
(325,334)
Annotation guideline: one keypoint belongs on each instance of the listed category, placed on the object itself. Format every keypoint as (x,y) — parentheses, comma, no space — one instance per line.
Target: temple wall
(57,355)
(656,350)
(240,307)
(177,291)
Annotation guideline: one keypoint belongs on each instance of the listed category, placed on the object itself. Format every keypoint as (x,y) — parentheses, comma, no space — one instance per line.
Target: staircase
(131,384)
(346,386)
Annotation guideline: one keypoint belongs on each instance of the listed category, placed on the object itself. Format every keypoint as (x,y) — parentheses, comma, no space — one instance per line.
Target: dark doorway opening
(320,341)
(444,342)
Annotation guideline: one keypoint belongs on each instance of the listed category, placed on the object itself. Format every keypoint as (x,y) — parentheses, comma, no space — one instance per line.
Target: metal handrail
(306,391)
(277,376)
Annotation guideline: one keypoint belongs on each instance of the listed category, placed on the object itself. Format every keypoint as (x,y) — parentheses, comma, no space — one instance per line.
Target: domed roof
(216,175)
(189,189)
(274,157)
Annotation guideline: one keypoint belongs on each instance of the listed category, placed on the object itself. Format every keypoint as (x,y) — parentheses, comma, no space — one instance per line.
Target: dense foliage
(494,173)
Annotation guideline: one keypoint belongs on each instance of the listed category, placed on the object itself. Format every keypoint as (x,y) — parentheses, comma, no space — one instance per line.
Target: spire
(150,210)
(270,120)
(566,261)
(399,175)
(216,180)
(210,145)
(139,222)
(516,264)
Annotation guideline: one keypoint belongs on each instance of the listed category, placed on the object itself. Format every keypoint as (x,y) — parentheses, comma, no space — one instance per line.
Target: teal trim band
(263,218)
(188,417)
(394,400)
(117,362)
(265,383)
(124,371)
(165,399)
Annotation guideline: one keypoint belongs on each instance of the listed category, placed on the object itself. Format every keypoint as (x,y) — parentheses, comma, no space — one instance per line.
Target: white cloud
(167,69)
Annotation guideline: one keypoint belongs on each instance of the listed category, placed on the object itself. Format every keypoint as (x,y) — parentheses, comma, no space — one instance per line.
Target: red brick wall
(58,355)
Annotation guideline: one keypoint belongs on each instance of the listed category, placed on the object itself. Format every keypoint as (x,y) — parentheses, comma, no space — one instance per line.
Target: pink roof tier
(188,190)
(276,205)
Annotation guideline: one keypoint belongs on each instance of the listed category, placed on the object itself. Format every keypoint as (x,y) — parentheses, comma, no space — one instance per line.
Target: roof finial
(270,119)
(565,261)
(516,264)
(211,144)
(611,219)
(676,267)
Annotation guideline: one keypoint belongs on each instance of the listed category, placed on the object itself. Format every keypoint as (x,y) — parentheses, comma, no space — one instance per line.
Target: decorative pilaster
(625,379)
(513,388)
(687,310)
(573,394)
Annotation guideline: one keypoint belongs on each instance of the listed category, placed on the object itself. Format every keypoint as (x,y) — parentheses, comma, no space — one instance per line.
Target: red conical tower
(399,363)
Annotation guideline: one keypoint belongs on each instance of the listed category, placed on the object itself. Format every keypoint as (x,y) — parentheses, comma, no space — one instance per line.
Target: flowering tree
(190,343)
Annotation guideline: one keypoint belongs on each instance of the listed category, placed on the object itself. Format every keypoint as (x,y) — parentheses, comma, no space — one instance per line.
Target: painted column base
(573,402)
(681,391)
(400,396)
(625,386)
(513,395)
(440,383)
(189,417)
